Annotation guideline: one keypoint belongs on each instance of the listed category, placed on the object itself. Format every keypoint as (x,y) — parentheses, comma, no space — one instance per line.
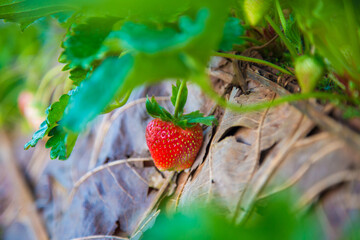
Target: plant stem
(250,40)
(254,60)
(207,88)
(118,104)
(178,97)
(283,37)
(281,15)
(276,102)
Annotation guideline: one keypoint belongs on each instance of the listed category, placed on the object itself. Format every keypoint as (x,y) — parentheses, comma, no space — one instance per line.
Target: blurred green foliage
(22,66)
(274,220)
(17,51)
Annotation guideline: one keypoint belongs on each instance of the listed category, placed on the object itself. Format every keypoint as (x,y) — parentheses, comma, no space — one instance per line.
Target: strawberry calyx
(178,99)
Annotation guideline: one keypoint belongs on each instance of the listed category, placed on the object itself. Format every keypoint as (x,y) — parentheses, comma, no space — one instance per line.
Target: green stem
(254,60)
(207,88)
(178,97)
(281,15)
(283,37)
(118,104)
(275,102)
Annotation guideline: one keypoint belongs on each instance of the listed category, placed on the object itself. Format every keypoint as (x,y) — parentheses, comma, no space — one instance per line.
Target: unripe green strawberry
(308,70)
(255,10)
(173,148)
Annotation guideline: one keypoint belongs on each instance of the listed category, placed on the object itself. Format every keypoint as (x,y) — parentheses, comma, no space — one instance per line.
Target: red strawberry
(172,147)
(175,140)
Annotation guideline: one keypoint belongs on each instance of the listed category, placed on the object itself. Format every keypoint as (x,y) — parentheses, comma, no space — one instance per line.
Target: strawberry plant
(174,140)
(112,47)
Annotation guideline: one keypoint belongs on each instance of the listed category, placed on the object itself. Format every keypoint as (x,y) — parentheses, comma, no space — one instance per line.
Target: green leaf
(209,120)
(39,134)
(182,59)
(96,92)
(196,117)
(157,111)
(183,96)
(292,32)
(78,74)
(157,11)
(56,110)
(84,43)
(232,31)
(61,143)
(142,38)
(27,11)
(54,114)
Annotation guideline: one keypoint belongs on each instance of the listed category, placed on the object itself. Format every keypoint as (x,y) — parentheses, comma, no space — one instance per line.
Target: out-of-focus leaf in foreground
(95,93)
(273,221)
(155,55)
(84,42)
(26,12)
(232,31)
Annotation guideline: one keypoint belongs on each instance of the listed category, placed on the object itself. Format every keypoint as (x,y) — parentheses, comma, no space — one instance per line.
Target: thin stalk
(281,15)
(249,39)
(207,88)
(178,97)
(283,37)
(275,102)
(253,60)
(118,104)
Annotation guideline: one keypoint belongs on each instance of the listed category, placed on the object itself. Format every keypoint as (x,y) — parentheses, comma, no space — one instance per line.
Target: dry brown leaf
(306,155)
(235,150)
(109,201)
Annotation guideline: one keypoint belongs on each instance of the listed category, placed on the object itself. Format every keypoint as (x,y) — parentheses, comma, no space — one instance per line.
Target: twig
(325,183)
(250,194)
(181,191)
(156,199)
(146,223)
(210,173)
(258,151)
(95,170)
(265,44)
(304,168)
(262,120)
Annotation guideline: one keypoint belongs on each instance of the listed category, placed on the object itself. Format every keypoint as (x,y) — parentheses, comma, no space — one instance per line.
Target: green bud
(255,10)
(308,70)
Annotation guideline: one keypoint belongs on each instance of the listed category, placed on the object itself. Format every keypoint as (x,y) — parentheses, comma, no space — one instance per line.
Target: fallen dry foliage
(109,186)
